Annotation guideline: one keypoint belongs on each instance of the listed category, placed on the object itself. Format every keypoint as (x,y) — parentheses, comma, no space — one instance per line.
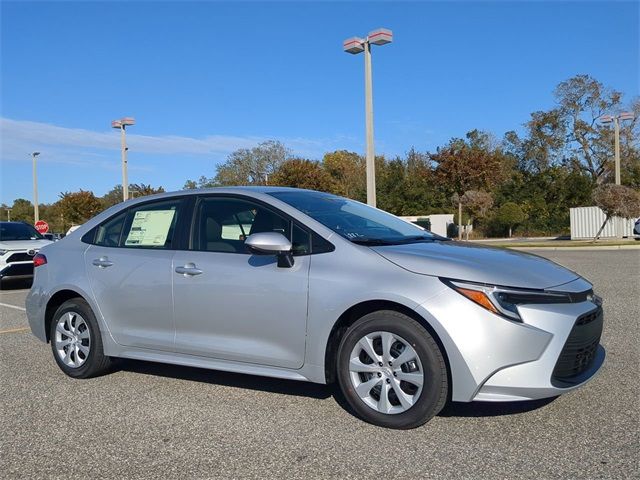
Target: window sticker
(150,228)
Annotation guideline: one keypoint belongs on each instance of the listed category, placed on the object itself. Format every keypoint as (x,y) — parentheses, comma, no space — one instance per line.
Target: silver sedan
(310,286)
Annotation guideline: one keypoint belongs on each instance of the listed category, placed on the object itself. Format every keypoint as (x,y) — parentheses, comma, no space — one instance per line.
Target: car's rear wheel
(76,342)
(391,371)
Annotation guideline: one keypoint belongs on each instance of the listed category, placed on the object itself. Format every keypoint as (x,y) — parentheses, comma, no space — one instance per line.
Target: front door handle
(188,270)
(102,262)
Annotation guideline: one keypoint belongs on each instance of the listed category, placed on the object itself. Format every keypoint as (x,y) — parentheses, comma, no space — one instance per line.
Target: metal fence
(586,221)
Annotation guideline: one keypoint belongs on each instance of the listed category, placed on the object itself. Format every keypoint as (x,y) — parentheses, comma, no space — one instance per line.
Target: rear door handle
(102,262)
(188,270)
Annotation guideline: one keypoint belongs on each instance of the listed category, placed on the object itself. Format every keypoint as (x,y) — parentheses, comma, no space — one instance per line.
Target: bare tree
(616,201)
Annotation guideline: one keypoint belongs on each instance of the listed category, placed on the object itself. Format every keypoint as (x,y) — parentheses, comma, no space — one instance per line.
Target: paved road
(150,420)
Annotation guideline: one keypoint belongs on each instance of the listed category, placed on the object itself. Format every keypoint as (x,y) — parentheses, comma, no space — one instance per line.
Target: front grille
(580,349)
(17,270)
(20,257)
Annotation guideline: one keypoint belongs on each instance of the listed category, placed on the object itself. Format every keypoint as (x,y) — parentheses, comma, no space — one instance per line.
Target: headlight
(504,301)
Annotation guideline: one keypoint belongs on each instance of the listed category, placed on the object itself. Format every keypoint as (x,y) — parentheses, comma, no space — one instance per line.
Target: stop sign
(42,226)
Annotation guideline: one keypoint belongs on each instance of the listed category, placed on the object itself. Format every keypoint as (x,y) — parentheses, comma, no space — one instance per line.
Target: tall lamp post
(606,119)
(357,45)
(122,124)
(36,215)
(8,214)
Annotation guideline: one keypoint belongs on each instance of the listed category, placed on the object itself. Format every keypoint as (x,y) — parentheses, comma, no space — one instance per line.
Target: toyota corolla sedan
(303,285)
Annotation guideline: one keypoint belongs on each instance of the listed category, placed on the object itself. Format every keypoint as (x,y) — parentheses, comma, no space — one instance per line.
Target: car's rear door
(129,265)
(232,305)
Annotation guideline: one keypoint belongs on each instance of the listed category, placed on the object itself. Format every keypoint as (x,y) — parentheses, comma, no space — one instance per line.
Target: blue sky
(203,79)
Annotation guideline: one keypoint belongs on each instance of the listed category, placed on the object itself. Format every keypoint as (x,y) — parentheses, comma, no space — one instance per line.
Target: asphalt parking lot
(148,420)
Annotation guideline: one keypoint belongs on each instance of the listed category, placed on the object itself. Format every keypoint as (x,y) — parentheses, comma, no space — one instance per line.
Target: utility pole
(36,215)
(122,124)
(615,119)
(357,45)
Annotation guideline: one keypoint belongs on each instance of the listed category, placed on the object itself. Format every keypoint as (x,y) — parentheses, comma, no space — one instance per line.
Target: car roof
(234,189)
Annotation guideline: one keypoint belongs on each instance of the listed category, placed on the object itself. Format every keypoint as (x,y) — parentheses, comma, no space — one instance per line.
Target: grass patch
(564,243)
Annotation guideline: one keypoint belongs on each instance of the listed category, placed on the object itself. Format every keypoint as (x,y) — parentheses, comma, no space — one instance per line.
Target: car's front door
(232,305)
(129,265)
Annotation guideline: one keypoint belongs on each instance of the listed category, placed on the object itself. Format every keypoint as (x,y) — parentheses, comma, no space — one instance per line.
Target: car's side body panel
(242,308)
(134,294)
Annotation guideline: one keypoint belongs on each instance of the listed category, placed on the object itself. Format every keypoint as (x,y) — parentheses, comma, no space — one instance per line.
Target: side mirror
(271,243)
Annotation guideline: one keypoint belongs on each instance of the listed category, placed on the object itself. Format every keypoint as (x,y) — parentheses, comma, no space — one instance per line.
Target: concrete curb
(603,247)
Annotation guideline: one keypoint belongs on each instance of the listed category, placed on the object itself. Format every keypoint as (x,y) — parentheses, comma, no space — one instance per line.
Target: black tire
(434,392)
(96,363)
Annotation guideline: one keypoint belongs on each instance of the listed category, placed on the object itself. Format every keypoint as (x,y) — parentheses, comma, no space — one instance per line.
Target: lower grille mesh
(580,349)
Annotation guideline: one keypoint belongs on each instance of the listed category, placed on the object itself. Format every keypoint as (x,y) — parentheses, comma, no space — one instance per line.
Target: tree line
(521,182)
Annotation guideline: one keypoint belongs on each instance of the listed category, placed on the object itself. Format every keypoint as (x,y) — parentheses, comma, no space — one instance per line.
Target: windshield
(18,231)
(353,220)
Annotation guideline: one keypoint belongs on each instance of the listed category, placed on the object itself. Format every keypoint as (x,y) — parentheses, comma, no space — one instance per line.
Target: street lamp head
(381,36)
(626,116)
(35,154)
(353,45)
(606,119)
(123,122)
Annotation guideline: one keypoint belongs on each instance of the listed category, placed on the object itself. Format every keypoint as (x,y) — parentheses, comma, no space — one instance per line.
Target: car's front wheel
(76,342)
(391,371)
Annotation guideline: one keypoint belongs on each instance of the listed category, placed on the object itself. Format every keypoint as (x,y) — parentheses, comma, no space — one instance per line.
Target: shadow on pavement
(492,409)
(238,380)
(314,390)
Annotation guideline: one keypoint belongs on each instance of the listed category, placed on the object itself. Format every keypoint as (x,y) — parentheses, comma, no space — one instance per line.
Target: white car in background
(73,228)
(19,243)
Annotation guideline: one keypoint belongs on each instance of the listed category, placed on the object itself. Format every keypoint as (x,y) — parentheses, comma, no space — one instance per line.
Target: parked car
(636,227)
(19,243)
(305,285)
(54,237)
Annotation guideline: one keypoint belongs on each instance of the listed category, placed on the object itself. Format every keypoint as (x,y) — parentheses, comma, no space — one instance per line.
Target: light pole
(606,119)
(122,124)
(8,214)
(36,215)
(356,45)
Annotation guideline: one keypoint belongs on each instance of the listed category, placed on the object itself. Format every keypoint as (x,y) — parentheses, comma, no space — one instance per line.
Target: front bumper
(16,270)
(495,359)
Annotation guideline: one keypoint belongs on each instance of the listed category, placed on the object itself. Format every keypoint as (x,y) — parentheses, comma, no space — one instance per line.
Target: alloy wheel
(386,372)
(72,339)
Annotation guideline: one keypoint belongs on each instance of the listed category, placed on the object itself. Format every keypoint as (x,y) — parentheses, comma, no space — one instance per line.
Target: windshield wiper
(417,238)
(372,242)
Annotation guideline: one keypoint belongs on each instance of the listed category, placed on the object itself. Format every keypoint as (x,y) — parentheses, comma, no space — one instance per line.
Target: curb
(594,248)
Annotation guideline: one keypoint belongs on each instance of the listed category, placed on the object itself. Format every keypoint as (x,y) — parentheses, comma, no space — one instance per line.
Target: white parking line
(22,309)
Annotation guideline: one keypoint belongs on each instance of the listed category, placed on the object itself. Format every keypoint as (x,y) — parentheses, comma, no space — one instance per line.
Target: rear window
(18,231)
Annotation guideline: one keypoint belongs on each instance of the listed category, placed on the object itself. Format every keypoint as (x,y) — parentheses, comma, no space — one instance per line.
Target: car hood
(475,263)
(23,244)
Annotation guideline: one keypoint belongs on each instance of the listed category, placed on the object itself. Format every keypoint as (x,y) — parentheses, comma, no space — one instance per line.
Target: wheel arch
(54,303)
(354,313)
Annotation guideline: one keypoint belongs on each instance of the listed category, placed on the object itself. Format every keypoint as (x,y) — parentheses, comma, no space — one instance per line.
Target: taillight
(39,260)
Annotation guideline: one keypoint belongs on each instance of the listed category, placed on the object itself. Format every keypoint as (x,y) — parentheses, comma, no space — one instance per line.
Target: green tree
(252,166)
(22,210)
(302,173)
(114,196)
(78,207)
(348,170)
(571,133)
(471,164)
(509,215)
(616,201)
(477,203)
